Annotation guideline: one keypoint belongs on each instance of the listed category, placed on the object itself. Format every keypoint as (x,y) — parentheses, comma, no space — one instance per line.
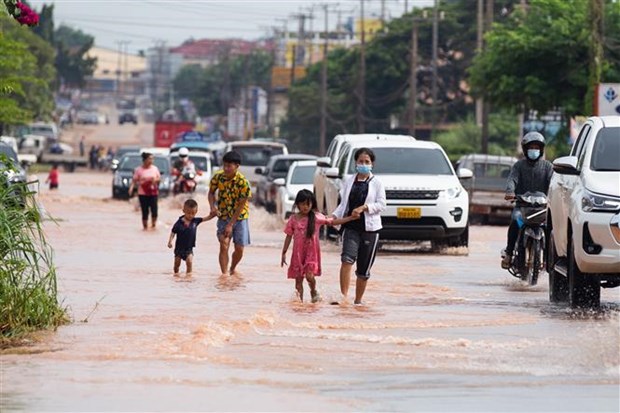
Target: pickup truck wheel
(558,284)
(583,290)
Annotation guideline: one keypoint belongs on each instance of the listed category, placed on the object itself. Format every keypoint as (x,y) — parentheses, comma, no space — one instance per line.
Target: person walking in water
(146,178)
(363,196)
(185,230)
(232,209)
(303,229)
(53,177)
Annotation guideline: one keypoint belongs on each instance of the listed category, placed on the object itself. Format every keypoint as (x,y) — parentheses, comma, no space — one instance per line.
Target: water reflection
(230,282)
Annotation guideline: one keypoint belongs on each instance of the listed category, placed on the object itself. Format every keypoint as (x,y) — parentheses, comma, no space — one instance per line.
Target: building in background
(116,73)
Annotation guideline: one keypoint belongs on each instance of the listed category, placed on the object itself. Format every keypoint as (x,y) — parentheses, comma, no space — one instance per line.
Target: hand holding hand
(509,197)
(169,244)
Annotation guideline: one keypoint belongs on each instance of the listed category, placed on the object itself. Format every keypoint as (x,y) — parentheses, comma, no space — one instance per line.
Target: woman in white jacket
(362,195)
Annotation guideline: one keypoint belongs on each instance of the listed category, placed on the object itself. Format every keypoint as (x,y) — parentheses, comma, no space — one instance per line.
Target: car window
(332,149)
(129,163)
(257,155)
(491,170)
(581,150)
(606,150)
(303,175)
(200,162)
(8,151)
(416,161)
(342,162)
(580,139)
(280,168)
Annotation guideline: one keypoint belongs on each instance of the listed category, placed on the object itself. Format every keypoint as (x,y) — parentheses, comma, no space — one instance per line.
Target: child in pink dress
(303,229)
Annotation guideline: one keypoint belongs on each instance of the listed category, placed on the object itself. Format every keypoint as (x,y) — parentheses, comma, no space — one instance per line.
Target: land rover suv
(425,200)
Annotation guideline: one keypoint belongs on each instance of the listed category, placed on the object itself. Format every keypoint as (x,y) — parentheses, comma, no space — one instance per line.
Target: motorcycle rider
(182,167)
(532,174)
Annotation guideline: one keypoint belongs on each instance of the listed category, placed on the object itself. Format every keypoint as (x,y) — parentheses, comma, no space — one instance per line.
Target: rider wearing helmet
(183,166)
(532,174)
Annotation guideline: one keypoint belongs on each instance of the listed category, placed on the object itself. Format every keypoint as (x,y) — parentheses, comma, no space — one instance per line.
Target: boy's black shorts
(183,253)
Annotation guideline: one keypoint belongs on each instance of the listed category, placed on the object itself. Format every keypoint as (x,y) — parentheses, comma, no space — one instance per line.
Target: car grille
(411,194)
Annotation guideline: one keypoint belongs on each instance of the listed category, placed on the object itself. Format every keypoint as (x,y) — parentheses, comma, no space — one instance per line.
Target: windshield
(408,161)
(303,175)
(257,155)
(131,162)
(606,151)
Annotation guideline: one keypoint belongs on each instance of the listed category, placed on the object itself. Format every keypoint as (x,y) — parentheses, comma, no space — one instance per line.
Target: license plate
(408,212)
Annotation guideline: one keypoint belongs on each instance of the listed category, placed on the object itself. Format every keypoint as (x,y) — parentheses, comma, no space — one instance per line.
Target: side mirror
(279,182)
(260,170)
(324,162)
(566,165)
(114,166)
(333,173)
(464,173)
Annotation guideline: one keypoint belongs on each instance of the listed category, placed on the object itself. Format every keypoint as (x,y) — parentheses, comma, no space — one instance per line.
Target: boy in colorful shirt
(232,209)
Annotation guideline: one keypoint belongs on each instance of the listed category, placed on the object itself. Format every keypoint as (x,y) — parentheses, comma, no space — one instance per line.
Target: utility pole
(413,78)
(479,45)
(323,130)
(486,107)
(118,69)
(406,6)
(434,66)
(382,14)
(361,85)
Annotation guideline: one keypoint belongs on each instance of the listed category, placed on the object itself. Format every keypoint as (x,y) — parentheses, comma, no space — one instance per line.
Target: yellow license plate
(408,212)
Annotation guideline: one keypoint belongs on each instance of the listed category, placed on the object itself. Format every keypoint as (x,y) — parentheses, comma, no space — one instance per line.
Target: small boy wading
(185,230)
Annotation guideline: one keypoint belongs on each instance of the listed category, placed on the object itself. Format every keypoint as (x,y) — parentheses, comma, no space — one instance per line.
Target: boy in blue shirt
(185,231)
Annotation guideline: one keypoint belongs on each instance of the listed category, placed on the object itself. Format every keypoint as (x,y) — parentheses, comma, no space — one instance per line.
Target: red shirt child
(52,177)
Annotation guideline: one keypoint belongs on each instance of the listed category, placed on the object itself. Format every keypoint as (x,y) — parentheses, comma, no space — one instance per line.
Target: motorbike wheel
(535,251)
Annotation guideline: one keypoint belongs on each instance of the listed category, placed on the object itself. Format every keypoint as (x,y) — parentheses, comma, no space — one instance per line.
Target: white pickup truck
(583,216)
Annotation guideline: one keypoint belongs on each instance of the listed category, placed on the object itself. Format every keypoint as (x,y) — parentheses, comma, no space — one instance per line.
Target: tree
(29,73)
(72,62)
(539,59)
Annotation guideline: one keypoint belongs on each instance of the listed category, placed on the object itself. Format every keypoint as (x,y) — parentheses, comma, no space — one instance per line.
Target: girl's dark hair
(146,155)
(304,196)
(366,151)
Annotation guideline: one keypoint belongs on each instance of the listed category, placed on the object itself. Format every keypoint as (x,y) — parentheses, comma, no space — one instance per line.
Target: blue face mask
(533,154)
(363,169)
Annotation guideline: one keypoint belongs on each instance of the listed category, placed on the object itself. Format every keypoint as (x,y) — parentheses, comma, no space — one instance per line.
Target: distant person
(92,157)
(82,143)
(363,196)
(53,177)
(146,179)
(185,231)
(232,209)
(303,229)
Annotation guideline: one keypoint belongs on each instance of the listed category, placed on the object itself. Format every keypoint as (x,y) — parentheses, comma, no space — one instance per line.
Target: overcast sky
(143,23)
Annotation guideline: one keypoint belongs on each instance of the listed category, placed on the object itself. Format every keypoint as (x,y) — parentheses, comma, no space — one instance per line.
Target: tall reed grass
(28,290)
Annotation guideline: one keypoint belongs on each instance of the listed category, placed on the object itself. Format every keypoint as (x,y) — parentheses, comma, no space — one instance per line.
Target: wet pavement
(438,332)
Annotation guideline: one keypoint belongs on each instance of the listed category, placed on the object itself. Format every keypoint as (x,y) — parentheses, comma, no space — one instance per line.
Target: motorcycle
(185,182)
(528,258)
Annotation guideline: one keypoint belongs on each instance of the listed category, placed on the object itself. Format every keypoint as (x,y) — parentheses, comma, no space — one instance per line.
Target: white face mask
(533,154)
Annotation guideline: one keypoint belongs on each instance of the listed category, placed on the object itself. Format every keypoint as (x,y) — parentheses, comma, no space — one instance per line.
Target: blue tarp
(195,136)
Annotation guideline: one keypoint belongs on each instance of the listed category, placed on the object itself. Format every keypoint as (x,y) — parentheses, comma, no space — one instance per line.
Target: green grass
(28,291)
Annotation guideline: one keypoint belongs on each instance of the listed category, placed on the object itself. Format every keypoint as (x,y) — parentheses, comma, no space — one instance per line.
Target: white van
(425,199)
(255,153)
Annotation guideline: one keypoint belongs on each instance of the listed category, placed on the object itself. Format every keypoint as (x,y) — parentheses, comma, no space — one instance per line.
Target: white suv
(584,216)
(425,200)
(333,153)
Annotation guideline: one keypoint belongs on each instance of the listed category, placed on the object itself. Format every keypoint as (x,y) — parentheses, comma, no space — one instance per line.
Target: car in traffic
(120,152)
(424,197)
(12,175)
(487,187)
(333,153)
(123,174)
(277,167)
(583,216)
(299,176)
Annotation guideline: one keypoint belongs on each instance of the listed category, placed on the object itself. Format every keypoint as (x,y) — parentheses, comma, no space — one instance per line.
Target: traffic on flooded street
(438,331)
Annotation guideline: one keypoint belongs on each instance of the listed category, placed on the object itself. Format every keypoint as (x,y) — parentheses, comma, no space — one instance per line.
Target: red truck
(167,131)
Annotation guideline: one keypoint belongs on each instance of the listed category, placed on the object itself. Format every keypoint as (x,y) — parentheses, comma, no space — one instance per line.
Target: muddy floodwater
(438,332)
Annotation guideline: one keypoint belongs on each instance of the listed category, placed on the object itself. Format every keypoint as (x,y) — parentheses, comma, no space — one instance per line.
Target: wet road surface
(439,332)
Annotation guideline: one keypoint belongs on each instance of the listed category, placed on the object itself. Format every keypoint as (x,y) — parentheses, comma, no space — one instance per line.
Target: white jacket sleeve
(379,205)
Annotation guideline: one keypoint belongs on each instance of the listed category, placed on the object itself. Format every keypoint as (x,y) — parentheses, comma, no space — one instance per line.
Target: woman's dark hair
(302,197)
(145,156)
(366,151)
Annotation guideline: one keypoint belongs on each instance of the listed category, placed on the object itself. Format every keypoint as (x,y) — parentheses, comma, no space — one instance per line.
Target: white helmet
(183,152)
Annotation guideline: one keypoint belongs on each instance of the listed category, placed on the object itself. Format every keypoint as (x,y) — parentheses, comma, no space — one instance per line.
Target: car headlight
(453,192)
(591,202)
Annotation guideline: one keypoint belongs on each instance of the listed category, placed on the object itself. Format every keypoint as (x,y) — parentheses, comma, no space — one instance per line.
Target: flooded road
(439,332)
